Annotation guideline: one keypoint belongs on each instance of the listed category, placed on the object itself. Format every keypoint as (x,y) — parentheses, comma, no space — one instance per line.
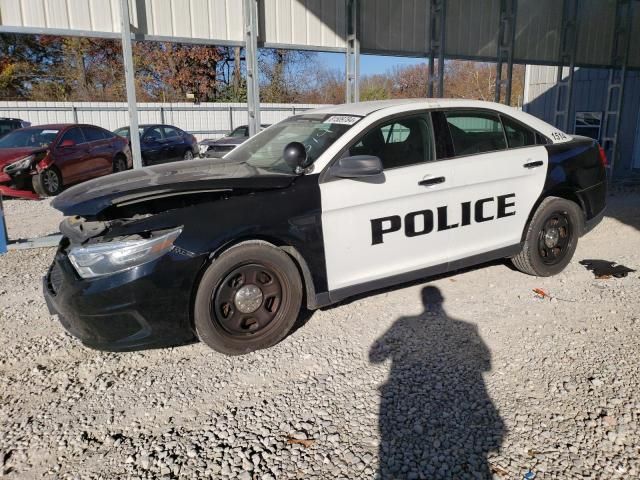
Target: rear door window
(154,134)
(517,135)
(93,134)
(171,132)
(73,134)
(475,132)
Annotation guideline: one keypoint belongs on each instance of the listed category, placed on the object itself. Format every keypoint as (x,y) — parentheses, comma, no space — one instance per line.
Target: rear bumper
(145,307)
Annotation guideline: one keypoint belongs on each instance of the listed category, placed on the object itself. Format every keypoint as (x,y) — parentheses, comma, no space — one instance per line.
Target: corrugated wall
(306,23)
(198,119)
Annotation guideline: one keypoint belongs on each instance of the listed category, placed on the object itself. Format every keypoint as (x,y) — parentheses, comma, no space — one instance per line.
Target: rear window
(473,133)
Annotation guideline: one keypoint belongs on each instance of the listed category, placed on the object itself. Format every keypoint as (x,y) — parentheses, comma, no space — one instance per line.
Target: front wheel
(188,155)
(119,164)
(48,182)
(551,238)
(248,299)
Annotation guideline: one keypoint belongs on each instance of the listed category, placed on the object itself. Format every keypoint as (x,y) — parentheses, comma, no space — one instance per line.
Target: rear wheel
(48,182)
(248,299)
(551,239)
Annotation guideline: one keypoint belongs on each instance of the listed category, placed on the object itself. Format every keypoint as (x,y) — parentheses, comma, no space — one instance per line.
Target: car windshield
(315,132)
(124,131)
(29,137)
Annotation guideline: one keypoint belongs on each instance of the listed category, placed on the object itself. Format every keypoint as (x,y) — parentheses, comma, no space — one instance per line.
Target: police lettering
(425,221)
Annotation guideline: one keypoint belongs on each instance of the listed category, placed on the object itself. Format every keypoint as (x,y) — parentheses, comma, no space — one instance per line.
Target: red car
(40,161)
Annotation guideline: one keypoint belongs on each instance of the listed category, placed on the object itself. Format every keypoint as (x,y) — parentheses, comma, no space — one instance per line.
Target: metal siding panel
(56,14)
(538,30)
(596,23)
(100,16)
(298,23)
(162,17)
(33,13)
(471,28)
(283,18)
(400,27)
(181,18)
(11,12)
(79,16)
(199,15)
(634,52)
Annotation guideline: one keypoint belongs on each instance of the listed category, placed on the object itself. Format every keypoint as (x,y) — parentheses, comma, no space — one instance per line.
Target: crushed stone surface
(468,375)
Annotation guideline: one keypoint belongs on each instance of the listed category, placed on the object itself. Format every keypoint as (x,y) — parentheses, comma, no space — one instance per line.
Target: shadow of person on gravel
(436,419)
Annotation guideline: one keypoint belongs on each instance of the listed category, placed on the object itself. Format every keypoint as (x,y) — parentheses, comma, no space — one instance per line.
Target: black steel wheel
(188,155)
(551,238)
(248,299)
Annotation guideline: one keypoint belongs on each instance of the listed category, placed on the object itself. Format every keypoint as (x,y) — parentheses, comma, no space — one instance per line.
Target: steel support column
(568,45)
(352,66)
(436,47)
(129,69)
(617,74)
(251,54)
(506,40)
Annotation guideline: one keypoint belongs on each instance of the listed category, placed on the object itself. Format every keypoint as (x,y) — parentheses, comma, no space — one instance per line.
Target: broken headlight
(101,259)
(22,164)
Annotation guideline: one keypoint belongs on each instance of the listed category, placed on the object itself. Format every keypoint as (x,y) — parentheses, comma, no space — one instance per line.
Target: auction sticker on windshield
(343,119)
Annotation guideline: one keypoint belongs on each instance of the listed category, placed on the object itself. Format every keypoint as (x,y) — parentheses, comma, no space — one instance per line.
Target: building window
(588,124)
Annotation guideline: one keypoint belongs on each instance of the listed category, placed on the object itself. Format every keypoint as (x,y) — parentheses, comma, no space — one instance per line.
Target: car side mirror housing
(357,166)
(68,143)
(295,155)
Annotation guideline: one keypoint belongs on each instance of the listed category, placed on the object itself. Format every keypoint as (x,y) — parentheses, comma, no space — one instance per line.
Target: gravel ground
(30,218)
(465,376)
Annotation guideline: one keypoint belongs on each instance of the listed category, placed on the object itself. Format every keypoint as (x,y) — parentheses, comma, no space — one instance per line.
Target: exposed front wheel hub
(551,237)
(248,298)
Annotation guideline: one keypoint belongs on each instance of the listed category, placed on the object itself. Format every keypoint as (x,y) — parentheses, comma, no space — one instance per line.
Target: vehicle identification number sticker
(342,119)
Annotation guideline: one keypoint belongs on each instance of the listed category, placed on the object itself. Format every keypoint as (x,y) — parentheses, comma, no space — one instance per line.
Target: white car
(319,207)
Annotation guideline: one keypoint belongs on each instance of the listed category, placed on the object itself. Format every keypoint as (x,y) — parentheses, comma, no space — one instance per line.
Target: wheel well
(303,269)
(563,193)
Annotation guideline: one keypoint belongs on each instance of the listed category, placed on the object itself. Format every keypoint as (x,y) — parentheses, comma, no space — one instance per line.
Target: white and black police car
(319,207)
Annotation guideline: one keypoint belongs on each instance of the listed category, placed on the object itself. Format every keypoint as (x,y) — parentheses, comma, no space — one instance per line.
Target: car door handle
(535,164)
(431,181)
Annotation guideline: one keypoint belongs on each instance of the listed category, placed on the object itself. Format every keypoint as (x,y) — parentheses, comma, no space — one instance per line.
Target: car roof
(396,106)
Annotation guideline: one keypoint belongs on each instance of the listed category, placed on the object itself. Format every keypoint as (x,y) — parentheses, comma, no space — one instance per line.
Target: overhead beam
(251,55)
(129,70)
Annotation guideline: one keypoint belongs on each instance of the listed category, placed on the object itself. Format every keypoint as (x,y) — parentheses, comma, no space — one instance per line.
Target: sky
(369,64)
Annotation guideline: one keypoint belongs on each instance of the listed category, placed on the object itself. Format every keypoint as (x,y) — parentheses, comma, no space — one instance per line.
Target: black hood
(169,179)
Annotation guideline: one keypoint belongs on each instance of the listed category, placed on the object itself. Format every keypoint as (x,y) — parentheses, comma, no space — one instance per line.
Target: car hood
(166,180)
(8,155)
(225,141)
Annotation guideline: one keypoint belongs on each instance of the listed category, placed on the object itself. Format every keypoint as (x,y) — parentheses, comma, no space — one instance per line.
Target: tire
(188,155)
(551,238)
(120,164)
(48,182)
(269,312)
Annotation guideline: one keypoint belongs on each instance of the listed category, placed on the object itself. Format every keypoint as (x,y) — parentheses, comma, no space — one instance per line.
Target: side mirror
(295,154)
(358,166)
(68,143)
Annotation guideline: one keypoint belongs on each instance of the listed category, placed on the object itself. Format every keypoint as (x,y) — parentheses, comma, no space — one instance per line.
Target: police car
(319,207)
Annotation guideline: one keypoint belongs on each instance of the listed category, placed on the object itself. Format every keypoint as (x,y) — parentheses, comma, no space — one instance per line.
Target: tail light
(603,156)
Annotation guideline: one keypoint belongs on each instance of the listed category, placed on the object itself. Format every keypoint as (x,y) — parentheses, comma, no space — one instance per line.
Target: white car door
(498,174)
(384,226)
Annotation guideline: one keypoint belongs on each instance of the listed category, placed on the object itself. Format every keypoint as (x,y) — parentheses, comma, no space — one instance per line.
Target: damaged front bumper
(18,186)
(145,307)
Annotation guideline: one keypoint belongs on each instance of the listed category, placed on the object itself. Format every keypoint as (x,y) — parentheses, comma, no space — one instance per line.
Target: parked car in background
(163,143)
(40,161)
(212,148)
(10,124)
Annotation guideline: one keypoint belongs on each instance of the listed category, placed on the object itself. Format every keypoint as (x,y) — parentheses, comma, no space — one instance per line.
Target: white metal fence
(205,120)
